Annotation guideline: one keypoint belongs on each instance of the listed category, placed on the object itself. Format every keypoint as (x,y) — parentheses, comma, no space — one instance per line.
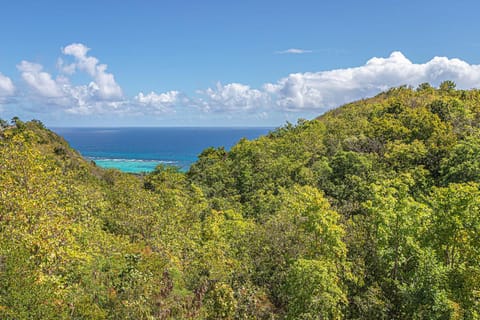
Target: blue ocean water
(142,149)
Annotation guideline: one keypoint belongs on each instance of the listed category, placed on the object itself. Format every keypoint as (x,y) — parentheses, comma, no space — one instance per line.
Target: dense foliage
(371,211)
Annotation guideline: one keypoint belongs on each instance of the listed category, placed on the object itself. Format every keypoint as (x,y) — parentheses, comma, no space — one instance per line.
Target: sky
(223,63)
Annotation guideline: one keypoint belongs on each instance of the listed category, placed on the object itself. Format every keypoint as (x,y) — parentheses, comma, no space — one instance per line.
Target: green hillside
(371,211)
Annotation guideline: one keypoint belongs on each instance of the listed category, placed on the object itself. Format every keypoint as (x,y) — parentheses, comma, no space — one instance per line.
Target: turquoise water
(138,150)
(130,165)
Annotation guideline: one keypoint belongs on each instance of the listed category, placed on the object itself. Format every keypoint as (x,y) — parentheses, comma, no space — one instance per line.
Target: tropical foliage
(371,211)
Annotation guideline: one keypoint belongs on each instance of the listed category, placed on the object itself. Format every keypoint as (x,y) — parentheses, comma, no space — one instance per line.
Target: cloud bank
(326,89)
(296,92)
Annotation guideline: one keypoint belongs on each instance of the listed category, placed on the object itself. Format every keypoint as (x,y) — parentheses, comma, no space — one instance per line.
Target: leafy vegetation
(371,211)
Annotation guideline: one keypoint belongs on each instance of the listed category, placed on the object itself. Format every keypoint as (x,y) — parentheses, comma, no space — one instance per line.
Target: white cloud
(327,89)
(293,51)
(153,98)
(233,97)
(104,83)
(312,92)
(160,103)
(59,92)
(6,87)
(40,81)
(101,95)
(65,68)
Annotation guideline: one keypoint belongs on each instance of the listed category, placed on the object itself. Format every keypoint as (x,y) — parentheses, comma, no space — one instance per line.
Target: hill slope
(370,211)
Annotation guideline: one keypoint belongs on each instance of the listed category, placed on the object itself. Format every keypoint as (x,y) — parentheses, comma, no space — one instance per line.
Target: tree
(453,234)
(313,291)
(447,86)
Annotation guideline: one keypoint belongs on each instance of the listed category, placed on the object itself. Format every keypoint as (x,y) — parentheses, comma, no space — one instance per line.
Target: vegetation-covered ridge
(371,211)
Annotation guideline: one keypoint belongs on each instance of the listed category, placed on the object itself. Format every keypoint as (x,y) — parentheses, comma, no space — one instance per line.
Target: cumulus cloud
(296,92)
(40,81)
(159,103)
(82,100)
(101,95)
(326,89)
(103,83)
(232,97)
(319,91)
(59,91)
(293,51)
(7,88)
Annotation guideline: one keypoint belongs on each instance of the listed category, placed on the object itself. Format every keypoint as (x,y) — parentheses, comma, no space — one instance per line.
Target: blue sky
(223,63)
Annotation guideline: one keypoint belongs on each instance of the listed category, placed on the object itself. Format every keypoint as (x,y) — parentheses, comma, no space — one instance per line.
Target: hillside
(371,211)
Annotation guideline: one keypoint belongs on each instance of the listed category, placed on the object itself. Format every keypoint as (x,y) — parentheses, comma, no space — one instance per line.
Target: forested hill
(371,211)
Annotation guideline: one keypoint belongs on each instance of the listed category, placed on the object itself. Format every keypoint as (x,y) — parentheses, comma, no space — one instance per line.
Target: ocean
(138,150)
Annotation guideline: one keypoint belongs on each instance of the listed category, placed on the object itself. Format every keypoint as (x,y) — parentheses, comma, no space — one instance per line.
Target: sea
(137,150)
